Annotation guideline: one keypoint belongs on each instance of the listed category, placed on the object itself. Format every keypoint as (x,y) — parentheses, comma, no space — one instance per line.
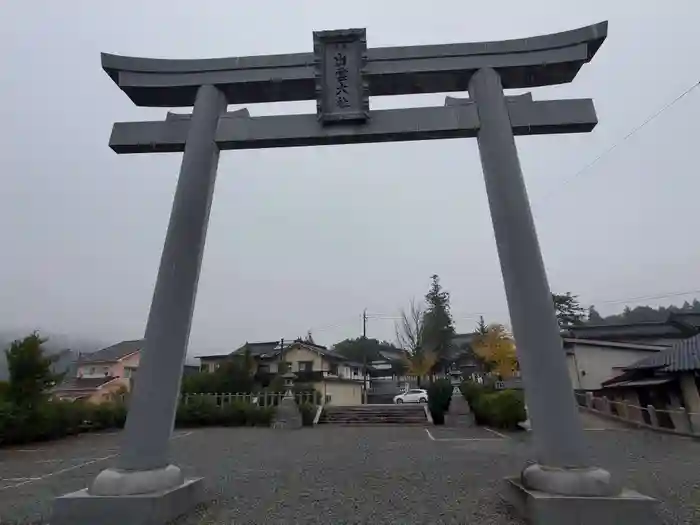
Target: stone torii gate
(340,75)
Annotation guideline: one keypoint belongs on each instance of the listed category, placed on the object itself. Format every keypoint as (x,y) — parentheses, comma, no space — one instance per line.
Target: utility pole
(364,356)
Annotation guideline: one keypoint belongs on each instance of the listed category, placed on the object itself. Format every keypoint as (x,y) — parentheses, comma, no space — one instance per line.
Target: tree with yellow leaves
(496,347)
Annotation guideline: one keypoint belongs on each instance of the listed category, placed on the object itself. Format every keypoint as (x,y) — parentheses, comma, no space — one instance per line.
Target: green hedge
(203,411)
(56,419)
(308,413)
(500,409)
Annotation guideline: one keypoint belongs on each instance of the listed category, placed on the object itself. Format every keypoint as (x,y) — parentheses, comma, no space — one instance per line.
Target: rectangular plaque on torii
(342,93)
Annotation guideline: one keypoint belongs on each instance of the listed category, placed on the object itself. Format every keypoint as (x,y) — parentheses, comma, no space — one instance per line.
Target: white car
(415,395)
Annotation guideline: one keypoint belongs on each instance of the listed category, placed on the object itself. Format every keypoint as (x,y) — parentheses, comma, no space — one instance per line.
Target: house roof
(626,331)
(686,319)
(460,340)
(683,356)
(652,381)
(261,349)
(112,353)
(83,383)
(618,345)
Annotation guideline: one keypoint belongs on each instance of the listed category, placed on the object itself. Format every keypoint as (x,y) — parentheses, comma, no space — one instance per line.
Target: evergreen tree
(481,327)
(439,328)
(569,310)
(594,317)
(30,371)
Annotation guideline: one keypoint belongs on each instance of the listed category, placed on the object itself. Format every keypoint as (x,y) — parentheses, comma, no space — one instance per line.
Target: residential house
(338,379)
(668,380)
(591,362)
(102,374)
(258,351)
(660,333)
(598,353)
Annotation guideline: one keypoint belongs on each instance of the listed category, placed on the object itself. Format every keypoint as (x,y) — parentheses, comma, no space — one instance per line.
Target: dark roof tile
(683,356)
(112,353)
(83,383)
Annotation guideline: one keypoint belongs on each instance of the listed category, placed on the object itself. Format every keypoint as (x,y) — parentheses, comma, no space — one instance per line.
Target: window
(129,371)
(92,370)
(333,369)
(264,369)
(328,399)
(356,371)
(306,366)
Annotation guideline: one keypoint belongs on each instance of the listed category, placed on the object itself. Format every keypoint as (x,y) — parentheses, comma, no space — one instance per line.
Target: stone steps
(374,415)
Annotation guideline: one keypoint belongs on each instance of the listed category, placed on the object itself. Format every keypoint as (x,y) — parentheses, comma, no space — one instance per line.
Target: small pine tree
(594,317)
(481,327)
(30,371)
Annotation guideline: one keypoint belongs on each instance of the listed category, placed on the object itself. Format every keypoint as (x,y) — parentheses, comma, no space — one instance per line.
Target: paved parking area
(332,475)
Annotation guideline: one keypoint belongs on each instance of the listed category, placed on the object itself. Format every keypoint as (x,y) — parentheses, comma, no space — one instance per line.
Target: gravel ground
(331,475)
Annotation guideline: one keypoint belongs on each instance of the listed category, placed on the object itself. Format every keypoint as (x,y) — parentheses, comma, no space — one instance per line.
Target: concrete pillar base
(153,508)
(117,482)
(541,508)
(586,482)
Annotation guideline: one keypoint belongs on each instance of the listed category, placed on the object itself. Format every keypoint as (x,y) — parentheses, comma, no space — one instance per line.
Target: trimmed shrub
(439,397)
(199,411)
(260,416)
(471,390)
(308,413)
(203,411)
(504,409)
(305,393)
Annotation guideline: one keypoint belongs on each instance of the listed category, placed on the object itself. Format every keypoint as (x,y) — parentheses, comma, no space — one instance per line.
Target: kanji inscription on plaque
(341,89)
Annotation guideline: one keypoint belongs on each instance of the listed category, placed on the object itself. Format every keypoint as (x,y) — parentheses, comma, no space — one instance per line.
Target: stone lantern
(288,414)
(289,378)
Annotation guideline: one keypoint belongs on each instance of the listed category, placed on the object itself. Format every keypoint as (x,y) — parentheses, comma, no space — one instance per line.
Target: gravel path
(378,475)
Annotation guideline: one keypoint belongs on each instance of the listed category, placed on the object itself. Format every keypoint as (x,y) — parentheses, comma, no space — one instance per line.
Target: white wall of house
(590,365)
(340,393)
(92,371)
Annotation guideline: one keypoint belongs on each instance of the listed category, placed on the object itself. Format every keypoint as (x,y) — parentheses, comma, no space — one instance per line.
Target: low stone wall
(677,422)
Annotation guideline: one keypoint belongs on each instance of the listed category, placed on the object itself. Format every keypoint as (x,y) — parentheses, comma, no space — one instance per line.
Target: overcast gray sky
(305,238)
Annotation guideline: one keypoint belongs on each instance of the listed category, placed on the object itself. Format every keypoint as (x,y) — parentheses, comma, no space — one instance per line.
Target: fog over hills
(70,348)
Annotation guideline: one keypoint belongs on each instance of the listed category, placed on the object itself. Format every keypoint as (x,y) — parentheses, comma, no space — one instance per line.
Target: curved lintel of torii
(521,63)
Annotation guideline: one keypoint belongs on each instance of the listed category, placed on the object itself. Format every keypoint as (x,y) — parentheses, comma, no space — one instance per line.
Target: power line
(634,130)
(647,297)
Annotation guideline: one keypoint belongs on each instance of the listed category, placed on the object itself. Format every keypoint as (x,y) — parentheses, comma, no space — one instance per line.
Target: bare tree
(410,335)
(411,328)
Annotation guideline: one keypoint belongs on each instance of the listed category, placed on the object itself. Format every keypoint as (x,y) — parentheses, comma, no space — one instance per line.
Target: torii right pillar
(562,487)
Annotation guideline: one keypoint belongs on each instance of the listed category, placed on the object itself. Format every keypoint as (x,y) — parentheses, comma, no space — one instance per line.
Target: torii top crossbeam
(521,63)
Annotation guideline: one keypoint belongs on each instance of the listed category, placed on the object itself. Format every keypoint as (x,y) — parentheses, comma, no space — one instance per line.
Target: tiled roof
(112,353)
(623,331)
(258,349)
(683,356)
(619,345)
(688,319)
(83,383)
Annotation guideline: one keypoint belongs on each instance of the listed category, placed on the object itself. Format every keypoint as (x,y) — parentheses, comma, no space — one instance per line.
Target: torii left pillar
(145,488)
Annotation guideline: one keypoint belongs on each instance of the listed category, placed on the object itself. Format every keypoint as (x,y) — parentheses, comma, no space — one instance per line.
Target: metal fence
(676,419)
